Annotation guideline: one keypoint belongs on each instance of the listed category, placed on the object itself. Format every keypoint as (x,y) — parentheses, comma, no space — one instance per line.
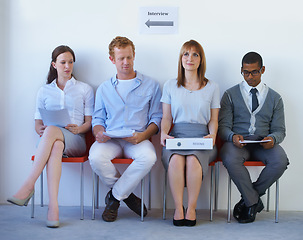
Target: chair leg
(149,190)
(97,192)
(164,195)
(217,174)
(33,205)
(93,196)
(211,193)
(229,200)
(81,194)
(277,202)
(268,199)
(41,197)
(41,188)
(142,199)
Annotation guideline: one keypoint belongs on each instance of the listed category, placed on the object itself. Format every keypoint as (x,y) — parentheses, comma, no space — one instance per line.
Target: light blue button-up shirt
(141,107)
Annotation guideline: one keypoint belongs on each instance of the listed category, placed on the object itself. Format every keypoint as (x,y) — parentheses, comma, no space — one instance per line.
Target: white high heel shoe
(21,202)
(52,224)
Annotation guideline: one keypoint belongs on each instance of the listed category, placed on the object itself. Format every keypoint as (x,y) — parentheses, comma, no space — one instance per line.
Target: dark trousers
(276,162)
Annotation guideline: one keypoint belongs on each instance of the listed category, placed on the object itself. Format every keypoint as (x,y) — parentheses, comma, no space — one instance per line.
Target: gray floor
(15,223)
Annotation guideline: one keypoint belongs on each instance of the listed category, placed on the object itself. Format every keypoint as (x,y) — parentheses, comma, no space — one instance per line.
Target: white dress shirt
(261,94)
(77,97)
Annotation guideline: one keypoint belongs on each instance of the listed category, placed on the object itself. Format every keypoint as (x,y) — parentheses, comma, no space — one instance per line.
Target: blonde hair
(120,42)
(201,69)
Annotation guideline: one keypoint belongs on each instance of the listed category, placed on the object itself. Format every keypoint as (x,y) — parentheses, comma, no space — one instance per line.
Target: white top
(191,106)
(77,97)
(261,94)
(124,87)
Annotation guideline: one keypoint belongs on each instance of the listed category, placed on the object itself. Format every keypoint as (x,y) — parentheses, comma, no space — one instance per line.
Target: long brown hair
(201,69)
(52,73)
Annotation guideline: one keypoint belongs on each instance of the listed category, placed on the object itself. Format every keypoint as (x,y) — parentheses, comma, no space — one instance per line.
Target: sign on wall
(158,20)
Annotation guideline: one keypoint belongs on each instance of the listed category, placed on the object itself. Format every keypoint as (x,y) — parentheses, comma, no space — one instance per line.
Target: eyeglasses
(253,73)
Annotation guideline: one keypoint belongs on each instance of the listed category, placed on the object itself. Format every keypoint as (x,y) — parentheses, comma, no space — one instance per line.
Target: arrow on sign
(159,23)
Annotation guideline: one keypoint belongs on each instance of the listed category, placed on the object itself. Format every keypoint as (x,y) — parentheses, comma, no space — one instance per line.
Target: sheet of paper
(59,118)
(254,141)
(119,133)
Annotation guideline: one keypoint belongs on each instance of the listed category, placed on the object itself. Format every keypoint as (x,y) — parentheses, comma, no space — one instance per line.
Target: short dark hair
(252,57)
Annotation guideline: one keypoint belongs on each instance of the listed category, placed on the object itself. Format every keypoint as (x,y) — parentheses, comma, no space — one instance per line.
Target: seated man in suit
(252,111)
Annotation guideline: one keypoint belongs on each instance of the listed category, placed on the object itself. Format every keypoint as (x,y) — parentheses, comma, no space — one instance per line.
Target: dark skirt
(190,130)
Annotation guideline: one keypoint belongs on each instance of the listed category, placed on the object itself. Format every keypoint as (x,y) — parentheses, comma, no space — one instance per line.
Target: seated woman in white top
(62,91)
(191,102)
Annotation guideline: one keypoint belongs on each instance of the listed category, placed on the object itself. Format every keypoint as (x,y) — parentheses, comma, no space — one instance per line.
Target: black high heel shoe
(180,222)
(190,223)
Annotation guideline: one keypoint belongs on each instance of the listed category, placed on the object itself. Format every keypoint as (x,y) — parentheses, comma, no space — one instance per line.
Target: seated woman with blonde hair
(191,103)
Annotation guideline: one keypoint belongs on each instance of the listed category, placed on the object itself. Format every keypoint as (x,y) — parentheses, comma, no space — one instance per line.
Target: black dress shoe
(110,212)
(249,213)
(238,209)
(134,203)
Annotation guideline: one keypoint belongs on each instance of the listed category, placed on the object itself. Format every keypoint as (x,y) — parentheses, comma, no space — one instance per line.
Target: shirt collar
(247,88)
(71,81)
(139,78)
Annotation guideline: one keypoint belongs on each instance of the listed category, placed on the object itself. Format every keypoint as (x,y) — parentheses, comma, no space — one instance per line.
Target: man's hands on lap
(236,141)
(136,138)
(101,138)
(268,145)
(98,132)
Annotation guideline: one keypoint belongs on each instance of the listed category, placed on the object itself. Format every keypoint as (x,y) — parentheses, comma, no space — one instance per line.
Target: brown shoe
(111,210)
(134,203)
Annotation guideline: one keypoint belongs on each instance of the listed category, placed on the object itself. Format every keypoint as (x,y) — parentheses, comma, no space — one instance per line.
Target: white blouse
(77,97)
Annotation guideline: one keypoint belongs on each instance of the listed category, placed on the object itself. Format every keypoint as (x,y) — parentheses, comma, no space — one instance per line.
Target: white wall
(3,83)
(226,30)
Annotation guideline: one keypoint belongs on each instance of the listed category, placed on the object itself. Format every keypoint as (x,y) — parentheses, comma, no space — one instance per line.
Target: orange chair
(95,198)
(89,141)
